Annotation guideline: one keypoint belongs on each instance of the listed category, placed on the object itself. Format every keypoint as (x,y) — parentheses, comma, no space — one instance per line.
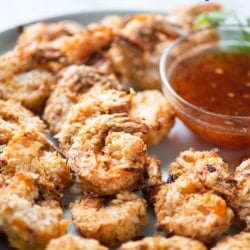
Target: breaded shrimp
(239,241)
(99,99)
(32,152)
(107,156)
(185,207)
(209,165)
(135,52)
(111,220)
(73,242)
(240,201)
(45,31)
(160,243)
(73,49)
(14,116)
(27,224)
(153,108)
(185,16)
(73,83)
(21,81)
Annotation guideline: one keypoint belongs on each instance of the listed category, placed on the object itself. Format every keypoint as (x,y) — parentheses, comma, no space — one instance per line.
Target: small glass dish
(223,130)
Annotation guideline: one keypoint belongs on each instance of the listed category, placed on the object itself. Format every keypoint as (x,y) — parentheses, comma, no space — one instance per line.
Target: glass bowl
(223,130)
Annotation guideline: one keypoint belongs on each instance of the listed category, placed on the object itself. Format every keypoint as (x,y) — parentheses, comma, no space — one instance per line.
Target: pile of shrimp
(96,90)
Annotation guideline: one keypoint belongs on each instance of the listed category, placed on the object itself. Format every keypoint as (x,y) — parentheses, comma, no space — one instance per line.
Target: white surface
(16,12)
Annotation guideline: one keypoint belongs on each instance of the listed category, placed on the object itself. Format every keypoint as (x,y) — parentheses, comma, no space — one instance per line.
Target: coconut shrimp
(100,99)
(107,156)
(73,83)
(161,243)
(153,108)
(239,241)
(240,201)
(111,220)
(44,31)
(21,81)
(67,50)
(185,207)
(13,116)
(73,242)
(209,165)
(135,52)
(185,16)
(31,151)
(28,225)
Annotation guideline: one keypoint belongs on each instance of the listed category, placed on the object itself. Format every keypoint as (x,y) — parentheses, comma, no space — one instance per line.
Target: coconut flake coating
(72,242)
(161,243)
(111,220)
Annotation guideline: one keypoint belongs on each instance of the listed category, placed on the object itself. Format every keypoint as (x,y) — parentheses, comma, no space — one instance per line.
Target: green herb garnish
(216,18)
(213,18)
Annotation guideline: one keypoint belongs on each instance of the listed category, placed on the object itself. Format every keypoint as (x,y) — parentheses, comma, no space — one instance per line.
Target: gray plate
(179,139)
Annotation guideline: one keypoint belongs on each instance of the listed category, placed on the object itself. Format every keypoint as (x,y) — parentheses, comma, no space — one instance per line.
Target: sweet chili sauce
(218,81)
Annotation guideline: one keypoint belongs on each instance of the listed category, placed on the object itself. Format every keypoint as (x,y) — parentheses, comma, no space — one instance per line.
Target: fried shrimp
(160,243)
(73,83)
(73,49)
(153,108)
(240,201)
(111,220)
(28,225)
(14,116)
(209,165)
(72,242)
(32,152)
(100,99)
(185,16)
(107,156)
(185,207)
(21,81)
(239,241)
(44,31)
(136,50)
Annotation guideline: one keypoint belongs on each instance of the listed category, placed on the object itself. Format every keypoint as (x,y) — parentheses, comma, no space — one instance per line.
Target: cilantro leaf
(214,18)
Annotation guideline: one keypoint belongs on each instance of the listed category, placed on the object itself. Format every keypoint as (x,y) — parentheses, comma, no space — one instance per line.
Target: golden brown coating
(45,31)
(73,242)
(209,165)
(111,220)
(28,225)
(13,116)
(239,241)
(240,201)
(73,83)
(99,99)
(32,152)
(107,156)
(185,207)
(158,242)
(153,108)
(185,16)
(74,49)
(135,52)
(23,82)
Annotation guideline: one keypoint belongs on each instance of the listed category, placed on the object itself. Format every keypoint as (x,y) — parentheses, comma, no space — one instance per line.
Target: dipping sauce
(217,81)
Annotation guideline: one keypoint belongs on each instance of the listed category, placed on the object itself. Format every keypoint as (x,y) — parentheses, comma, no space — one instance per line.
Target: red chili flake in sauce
(218,82)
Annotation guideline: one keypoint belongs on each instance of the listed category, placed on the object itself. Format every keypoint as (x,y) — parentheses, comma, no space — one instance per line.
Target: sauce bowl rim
(166,84)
